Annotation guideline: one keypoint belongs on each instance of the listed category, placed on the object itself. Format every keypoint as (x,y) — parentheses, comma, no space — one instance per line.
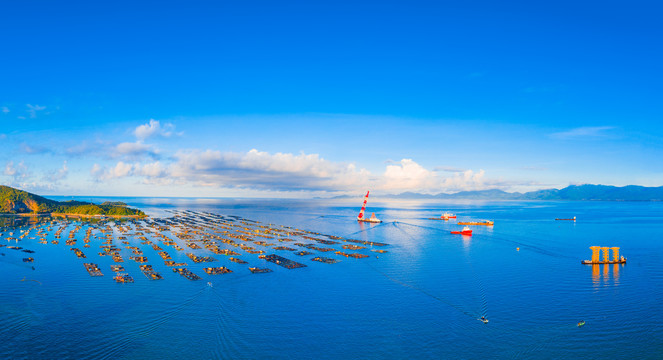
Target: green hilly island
(14,201)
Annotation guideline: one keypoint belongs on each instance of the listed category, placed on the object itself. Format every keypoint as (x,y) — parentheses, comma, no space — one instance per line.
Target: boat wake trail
(419,226)
(232,342)
(369,228)
(482,293)
(37,281)
(147,329)
(423,291)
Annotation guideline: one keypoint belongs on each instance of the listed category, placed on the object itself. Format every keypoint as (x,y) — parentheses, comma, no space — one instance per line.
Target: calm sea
(422,299)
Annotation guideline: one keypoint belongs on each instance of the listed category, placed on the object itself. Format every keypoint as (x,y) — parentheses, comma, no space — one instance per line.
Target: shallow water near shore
(421,299)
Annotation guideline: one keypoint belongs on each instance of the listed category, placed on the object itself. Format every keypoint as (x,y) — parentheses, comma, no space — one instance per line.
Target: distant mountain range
(572,193)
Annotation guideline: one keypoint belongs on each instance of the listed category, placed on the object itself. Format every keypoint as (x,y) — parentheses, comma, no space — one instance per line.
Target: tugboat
(466,231)
(360,217)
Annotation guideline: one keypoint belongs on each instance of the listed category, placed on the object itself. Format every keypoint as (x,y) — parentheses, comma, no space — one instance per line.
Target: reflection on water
(467,241)
(602,274)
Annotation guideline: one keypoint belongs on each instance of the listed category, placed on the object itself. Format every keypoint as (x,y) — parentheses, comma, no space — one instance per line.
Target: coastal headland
(14,202)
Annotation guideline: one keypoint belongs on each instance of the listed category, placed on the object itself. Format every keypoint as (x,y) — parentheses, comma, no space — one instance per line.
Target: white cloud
(152,170)
(583,132)
(32,110)
(154,128)
(410,176)
(121,169)
(5,109)
(261,170)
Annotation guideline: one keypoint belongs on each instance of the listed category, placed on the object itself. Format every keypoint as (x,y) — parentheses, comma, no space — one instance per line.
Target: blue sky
(301,98)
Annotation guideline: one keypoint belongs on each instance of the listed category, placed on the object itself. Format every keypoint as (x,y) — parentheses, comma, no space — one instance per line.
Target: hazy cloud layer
(135,150)
(33,109)
(583,132)
(56,176)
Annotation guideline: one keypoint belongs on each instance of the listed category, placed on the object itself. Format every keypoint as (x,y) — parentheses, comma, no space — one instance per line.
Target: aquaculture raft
(78,252)
(93,269)
(149,272)
(303,253)
(186,273)
(352,255)
(256,270)
(325,260)
(281,261)
(239,261)
(123,278)
(217,270)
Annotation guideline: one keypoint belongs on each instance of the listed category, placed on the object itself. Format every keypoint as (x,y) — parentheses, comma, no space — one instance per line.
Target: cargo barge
(596,256)
(485,223)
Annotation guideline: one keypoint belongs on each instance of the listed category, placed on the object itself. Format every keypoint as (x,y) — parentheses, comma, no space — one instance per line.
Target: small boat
(360,217)
(466,231)
(483,320)
(581,323)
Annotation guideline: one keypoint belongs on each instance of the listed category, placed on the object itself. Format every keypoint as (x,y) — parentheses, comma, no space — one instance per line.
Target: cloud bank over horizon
(162,161)
(145,163)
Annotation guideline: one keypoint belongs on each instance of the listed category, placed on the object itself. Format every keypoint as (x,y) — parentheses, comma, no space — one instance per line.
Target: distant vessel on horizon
(486,223)
(570,219)
(360,217)
(446,216)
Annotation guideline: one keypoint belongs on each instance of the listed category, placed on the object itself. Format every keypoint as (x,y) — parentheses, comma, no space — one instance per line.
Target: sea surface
(420,300)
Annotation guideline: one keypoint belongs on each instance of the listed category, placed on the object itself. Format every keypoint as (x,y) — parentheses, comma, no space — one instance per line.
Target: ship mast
(363,207)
